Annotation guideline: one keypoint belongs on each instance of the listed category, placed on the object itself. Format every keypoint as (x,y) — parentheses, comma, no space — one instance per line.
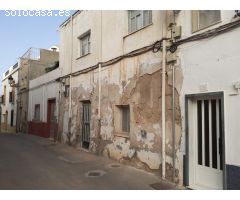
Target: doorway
(86,118)
(52,119)
(205,124)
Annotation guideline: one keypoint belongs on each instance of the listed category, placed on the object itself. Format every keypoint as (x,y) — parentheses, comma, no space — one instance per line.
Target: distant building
(9,99)
(34,63)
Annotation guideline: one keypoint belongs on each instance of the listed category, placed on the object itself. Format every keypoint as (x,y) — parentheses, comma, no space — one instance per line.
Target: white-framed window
(204,18)
(138,19)
(85,43)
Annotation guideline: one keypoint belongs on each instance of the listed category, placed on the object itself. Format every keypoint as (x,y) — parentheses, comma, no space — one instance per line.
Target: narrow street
(30,162)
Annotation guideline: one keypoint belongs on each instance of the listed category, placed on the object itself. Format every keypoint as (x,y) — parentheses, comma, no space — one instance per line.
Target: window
(204,18)
(4,94)
(137,19)
(37,112)
(125,119)
(85,44)
(122,120)
(66,92)
(12,117)
(10,97)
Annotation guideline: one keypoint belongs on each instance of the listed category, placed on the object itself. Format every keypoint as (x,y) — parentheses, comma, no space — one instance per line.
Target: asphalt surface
(30,162)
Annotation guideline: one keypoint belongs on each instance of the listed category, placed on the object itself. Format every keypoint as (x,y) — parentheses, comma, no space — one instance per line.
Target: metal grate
(114,165)
(95,173)
(86,118)
(162,186)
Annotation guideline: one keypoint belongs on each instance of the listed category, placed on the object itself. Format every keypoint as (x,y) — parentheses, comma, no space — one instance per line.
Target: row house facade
(9,100)
(34,63)
(158,90)
(43,105)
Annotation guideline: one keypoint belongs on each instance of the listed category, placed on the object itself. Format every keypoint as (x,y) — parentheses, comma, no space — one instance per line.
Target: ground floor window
(37,112)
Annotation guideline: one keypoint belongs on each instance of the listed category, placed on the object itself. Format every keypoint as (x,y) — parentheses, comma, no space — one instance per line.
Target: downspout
(163,94)
(173,114)
(58,114)
(100,74)
(173,119)
(70,84)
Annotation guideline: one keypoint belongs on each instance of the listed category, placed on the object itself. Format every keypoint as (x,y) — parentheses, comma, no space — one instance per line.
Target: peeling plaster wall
(137,82)
(134,81)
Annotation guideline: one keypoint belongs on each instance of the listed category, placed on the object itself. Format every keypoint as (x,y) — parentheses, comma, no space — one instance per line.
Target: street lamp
(11,82)
(10,79)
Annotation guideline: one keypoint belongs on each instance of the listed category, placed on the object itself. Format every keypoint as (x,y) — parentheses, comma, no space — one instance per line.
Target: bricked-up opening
(122,119)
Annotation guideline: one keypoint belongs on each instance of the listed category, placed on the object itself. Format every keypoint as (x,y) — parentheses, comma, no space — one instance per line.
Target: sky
(19,33)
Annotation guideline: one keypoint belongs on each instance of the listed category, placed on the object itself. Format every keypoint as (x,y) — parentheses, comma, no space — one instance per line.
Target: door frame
(50,100)
(81,118)
(186,168)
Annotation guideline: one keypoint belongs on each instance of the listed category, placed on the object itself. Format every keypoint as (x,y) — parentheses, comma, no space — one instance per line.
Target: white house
(9,99)
(43,104)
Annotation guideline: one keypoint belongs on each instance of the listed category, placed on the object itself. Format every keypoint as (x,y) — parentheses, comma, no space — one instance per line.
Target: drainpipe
(70,82)
(173,119)
(58,114)
(100,74)
(163,94)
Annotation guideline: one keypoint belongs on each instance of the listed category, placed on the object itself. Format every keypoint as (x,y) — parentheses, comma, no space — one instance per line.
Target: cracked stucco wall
(136,82)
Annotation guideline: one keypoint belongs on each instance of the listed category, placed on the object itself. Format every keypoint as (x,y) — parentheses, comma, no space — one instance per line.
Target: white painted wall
(41,90)
(9,106)
(214,62)
(113,36)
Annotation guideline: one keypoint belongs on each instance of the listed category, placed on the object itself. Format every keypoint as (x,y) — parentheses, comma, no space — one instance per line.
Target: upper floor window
(204,18)
(85,43)
(137,19)
(10,97)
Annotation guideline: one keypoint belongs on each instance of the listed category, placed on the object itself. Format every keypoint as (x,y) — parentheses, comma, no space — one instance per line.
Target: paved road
(30,162)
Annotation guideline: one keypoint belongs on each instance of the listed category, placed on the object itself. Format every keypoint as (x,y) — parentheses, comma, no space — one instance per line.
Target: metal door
(86,118)
(205,144)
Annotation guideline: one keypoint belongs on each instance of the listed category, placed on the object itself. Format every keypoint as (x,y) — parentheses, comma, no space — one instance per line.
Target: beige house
(32,64)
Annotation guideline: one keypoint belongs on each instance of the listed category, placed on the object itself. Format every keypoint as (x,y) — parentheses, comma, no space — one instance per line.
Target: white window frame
(138,16)
(85,39)
(195,21)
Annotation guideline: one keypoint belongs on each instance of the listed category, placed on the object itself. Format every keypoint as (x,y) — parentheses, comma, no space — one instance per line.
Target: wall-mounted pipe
(164,33)
(173,120)
(70,81)
(100,72)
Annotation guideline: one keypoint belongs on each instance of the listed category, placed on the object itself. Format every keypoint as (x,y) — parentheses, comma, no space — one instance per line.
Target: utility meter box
(171,57)
(177,32)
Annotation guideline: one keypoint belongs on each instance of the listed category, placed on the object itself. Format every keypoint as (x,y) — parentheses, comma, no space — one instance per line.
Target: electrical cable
(157,46)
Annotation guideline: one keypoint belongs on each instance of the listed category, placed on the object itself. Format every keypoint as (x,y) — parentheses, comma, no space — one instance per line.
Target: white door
(205,145)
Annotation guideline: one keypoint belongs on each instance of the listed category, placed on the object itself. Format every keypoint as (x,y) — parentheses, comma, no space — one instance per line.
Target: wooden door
(52,119)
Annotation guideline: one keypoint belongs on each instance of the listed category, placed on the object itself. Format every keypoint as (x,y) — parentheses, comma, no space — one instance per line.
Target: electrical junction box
(171,57)
(177,32)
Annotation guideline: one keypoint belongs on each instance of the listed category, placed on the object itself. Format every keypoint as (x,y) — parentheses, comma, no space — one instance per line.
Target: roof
(69,19)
